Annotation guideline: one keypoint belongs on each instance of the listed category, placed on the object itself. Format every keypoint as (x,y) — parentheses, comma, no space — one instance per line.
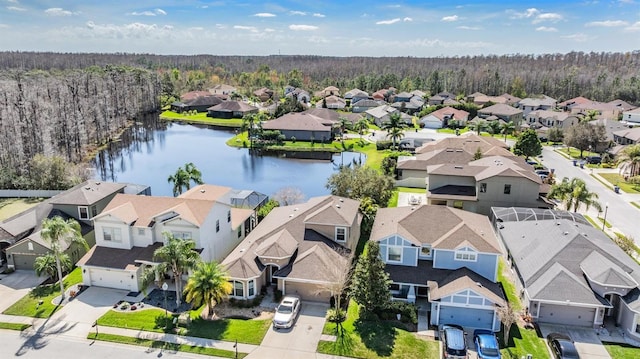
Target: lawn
(617,180)
(14,326)
(157,344)
(201,118)
(574,153)
(362,339)
(622,351)
(12,206)
(393,201)
(153,320)
(28,305)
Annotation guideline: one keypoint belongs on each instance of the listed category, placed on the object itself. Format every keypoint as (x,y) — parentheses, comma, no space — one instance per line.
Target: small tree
(268,207)
(289,195)
(360,182)
(178,256)
(508,317)
(528,144)
(208,285)
(478,154)
(47,264)
(370,282)
(626,243)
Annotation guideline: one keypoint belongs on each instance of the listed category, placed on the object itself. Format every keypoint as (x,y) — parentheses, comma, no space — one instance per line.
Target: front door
(271,272)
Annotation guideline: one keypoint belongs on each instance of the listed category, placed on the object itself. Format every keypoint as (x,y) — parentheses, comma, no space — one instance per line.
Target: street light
(604,220)
(165,286)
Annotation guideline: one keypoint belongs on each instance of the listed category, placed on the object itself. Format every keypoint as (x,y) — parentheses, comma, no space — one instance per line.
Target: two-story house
(542,102)
(446,255)
(493,181)
(355,95)
(503,112)
(131,228)
(441,118)
(631,116)
(543,118)
(301,249)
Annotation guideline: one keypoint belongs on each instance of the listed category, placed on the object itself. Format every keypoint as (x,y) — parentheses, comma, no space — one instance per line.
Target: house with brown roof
(440,118)
(222,89)
(444,255)
(562,120)
(300,249)
(503,112)
(541,102)
(131,228)
(628,136)
(264,94)
(332,102)
(303,127)
(199,103)
(231,109)
(488,182)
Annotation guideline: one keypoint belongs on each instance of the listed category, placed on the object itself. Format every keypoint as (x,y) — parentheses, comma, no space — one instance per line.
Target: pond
(151,150)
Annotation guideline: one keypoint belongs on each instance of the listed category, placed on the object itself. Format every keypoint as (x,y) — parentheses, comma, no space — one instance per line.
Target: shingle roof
(298,121)
(632,134)
(233,106)
(127,259)
(500,109)
(469,142)
(462,279)
(87,193)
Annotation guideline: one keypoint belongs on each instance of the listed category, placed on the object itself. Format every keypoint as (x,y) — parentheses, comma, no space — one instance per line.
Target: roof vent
(98,183)
(337,205)
(202,191)
(557,223)
(458,167)
(295,209)
(341,200)
(479,284)
(291,215)
(566,233)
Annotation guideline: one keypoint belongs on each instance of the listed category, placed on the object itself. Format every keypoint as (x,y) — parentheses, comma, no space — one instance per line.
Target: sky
(326,28)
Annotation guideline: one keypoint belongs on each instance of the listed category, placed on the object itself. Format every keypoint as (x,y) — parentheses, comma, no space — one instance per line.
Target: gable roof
(500,109)
(469,142)
(298,121)
(208,192)
(381,111)
(448,228)
(465,279)
(449,112)
(542,100)
(324,113)
(233,106)
(356,92)
(632,134)
(87,193)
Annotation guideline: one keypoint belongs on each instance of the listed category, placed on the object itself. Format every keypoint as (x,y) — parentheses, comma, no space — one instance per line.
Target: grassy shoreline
(201,118)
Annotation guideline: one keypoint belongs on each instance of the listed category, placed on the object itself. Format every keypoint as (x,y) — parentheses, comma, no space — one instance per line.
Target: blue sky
(332,28)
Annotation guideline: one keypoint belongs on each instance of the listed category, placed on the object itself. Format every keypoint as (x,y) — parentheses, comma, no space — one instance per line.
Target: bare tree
(289,195)
(341,280)
(508,317)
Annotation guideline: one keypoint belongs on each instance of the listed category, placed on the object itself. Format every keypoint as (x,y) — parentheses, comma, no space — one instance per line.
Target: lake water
(151,151)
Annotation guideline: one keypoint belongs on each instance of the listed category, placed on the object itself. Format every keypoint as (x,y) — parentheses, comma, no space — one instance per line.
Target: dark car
(454,345)
(486,344)
(594,160)
(562,346)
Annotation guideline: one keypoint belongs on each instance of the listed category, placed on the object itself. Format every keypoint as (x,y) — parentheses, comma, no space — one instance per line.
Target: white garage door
(562,314)
(307,291)
(475,318)
(110,279)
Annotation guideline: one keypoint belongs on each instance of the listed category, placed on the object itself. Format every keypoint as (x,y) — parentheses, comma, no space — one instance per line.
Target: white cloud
(58,11)
(264,14)
(317,14)
(295,12)
(576,37)
(531,12)
(4,26)
(133,30)
(154,12)
(16,8)
(221,26)
(247,28)
(269,30)
(634,27)
(196,28)
(160,12)
(318,40)
(407,19)
(607,23)
(549,16)
(546,29)
(474,28)
(451,18)
(388,22)
(295,27)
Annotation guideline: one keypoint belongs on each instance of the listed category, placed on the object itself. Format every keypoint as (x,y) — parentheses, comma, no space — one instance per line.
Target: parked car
(542,172)
(562,346)
(454,345)
(286,312)
(594,160)
(486,344)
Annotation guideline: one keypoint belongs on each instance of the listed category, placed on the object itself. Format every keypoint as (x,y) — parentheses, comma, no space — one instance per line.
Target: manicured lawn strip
(412,190)
(152,320)
(157,344)
(635,204)
(450,131)
(562,153)
(606,184)
(522,342)
(622,351)
(14,326)
(393,200)
(28,306)
(574,153)
(201,117)
(616,179)
(12,206)
(606,223)
(375,340)
(508,286)
(593,223)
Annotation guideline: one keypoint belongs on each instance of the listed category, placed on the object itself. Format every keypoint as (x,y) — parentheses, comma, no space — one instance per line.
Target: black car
(562,346)
(594,160)
(454,345)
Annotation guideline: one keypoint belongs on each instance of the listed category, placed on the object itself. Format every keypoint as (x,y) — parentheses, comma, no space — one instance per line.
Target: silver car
(286,312)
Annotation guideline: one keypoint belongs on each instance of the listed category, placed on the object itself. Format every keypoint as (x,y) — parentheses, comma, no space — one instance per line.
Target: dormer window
(466,254)
(341,234)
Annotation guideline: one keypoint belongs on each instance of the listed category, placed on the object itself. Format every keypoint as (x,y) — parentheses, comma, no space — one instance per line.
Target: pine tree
(370,282)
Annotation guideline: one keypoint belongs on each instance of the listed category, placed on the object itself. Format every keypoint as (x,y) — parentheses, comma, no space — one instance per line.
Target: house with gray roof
(231,109)
(445,256)
(355,95)
(628,136)
(303,127)
(542,102)
(503,112)
(632,116)
(567,271)
(364,105)
(300,249)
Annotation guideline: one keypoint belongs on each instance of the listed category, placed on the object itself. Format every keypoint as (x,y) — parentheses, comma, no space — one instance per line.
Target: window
(425,251)
(217,226)
(507,189)
(251,288)
(238,289)
(229,216)
(141,231)
(83,212)
(466,256)
(394,254)
(182,235)
(111,234)
(483,188)
(239,232)
(94,211)
(341,234)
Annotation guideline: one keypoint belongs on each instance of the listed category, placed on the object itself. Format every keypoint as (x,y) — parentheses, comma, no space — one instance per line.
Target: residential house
(419,93)
(622,105)
(402,97)
(384,94)
(231,109)
(20,239)
(223,89)
(488,182)
(602,110)
(568,272)
(355,95)
(441,118)
(381,114)
(365,105)
(503,112)
(199,104)
(301,95)
(303,127)
(562,120)
(332,102)
(131,228)
(542,102)
(264,94)
(330,91)
(481,99)
(192,95)
(300,248)
(632,116)
(440,98)
(610,126)
(568,104)
(448,257)
(413,105)
(628,136)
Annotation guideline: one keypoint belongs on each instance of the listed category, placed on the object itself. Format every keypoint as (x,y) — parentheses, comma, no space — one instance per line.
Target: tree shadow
(36,340)
(376,336)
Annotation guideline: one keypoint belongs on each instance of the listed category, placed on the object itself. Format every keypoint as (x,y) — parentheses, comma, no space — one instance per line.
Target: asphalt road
(620,213)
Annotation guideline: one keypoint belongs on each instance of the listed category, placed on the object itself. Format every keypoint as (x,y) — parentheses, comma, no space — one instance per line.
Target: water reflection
(151,150)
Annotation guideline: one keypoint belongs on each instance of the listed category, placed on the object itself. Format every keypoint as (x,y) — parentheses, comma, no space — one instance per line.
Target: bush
(246,303)
(383,145)
(336,315)
(408,312)
(368,316)
(277,296)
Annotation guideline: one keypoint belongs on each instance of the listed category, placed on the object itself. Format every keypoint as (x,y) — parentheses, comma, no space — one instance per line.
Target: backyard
(201,118)
(12,206)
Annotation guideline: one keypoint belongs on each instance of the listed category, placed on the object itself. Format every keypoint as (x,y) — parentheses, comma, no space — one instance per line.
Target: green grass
(604,183)
(606,223)
(153,320)
(622,351)
(14,326)
(574,153)
(158,344)
(393,200)
(450,131)
(635,204)
(12,206)
(593,223)
(618,180)
(201,118)
(508,286)
(522,342)
(28,306)
(362,339)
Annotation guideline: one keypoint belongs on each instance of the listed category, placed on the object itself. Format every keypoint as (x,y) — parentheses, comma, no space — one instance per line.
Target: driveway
(16,285)
(586,340)
(301,341)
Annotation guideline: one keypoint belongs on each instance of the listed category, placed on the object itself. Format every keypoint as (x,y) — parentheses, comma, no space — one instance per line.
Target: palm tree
(183,177)
(344,124)
(209,284)
(61,234)
(507,128)
(178,256)
(247,125)
(394,127)
(573,193)
(47,264)
(630,159)
(361,126)
(494,127)
(477,125)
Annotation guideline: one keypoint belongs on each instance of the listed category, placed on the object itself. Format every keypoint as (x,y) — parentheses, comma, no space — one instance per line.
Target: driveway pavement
(586,340)
(301,341)
(16,285)
(90,305)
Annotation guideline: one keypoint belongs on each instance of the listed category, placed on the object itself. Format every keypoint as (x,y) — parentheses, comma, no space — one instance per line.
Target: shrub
(277,296)
(408,312)
(246,303)
(383,145)
(336,315)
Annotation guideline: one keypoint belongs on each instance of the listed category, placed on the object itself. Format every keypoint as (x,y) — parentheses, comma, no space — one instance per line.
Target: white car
(286,312)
